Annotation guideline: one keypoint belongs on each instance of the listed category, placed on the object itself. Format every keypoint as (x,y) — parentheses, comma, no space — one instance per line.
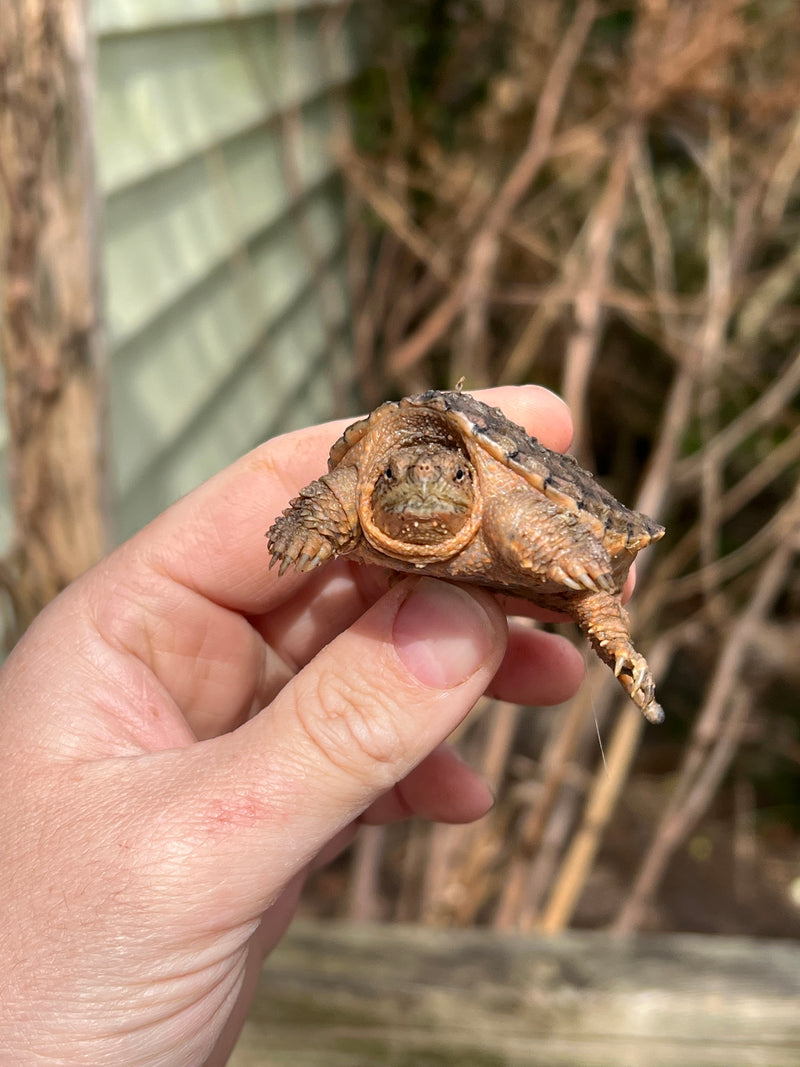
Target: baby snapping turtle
(445,485)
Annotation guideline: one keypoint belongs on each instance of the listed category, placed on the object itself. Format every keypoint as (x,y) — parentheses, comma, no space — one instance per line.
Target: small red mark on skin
(239,811)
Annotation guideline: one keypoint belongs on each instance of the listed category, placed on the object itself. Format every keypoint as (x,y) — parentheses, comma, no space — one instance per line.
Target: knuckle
(353,722)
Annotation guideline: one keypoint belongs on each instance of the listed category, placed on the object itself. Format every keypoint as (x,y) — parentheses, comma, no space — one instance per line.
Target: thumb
(368,708)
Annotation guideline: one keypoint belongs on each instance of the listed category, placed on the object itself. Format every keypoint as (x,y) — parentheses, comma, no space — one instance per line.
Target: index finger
(212,541)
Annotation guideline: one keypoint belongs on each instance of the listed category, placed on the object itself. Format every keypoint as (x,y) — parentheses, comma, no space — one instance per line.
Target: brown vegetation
(604,198)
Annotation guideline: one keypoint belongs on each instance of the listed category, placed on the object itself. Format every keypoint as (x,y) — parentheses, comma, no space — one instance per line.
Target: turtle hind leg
(527,532)
(320,523)
(605,622)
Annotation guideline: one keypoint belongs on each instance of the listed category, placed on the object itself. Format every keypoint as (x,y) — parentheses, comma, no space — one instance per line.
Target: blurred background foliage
(603,198)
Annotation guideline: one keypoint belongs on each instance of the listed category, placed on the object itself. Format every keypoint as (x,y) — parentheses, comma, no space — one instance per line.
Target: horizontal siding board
(198,216)
(162,376)
(126,16)
(175,93)
(271,392)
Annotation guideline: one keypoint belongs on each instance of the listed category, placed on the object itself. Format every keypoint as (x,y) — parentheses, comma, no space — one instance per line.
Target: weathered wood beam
(339,995)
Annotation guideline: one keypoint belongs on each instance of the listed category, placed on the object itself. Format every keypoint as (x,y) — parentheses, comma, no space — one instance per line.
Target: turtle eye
(460,475)
(388,474)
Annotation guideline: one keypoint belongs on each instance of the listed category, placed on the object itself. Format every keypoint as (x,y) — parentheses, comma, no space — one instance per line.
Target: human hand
(184,734)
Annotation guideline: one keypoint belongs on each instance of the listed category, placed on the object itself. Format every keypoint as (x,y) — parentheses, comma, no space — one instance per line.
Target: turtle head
(424,494)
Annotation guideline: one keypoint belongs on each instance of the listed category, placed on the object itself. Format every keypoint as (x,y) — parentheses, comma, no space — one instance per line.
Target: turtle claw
(558,574)
(606,583)
(580,578)
(585,579)
(304,555)
(634,674)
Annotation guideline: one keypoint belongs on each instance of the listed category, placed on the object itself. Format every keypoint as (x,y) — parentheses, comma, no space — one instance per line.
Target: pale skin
(185,734)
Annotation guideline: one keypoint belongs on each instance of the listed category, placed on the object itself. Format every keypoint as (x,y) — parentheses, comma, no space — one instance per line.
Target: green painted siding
(224,232)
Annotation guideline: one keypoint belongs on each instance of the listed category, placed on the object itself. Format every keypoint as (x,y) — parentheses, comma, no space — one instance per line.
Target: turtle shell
(449,414)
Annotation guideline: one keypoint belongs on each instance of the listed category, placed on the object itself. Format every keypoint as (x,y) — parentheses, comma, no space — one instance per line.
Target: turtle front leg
(320,523)
(605,622)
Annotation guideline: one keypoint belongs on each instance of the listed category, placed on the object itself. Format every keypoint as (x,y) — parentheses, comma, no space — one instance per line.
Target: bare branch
(708,726)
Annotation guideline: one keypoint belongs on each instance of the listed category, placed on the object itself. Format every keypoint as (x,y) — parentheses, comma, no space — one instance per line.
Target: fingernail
(442,634)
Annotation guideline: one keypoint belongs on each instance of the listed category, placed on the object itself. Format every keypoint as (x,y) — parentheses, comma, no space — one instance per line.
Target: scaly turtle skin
(444,485)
